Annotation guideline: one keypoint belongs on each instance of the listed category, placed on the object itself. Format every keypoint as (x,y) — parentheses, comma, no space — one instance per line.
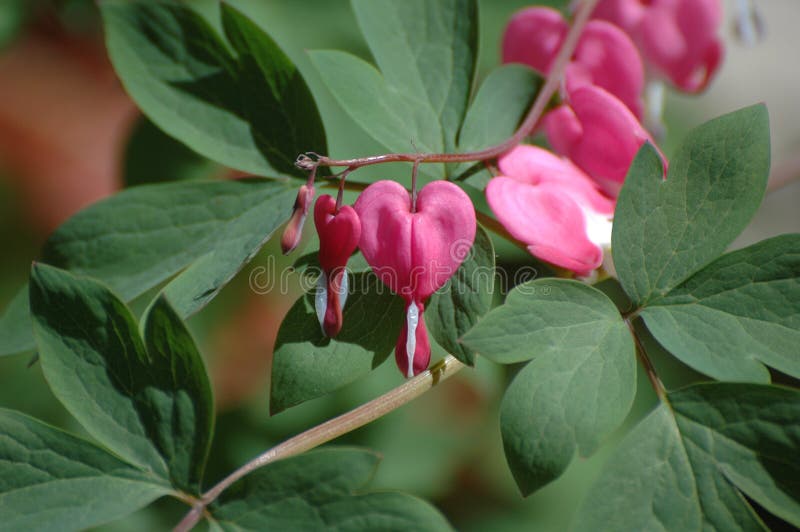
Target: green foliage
(50,479)
(149,401)
(686,466)
(420,93)
(456,307)
(152,156)
(579,385)
(203,231)
(12,16)
(321,490)
(740,311)
(666,230)
(306,364)
(242,103)
(501,103)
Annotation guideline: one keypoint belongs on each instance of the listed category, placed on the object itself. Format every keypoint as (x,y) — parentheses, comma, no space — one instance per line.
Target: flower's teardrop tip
(321,300)
(412,320)
(294,229)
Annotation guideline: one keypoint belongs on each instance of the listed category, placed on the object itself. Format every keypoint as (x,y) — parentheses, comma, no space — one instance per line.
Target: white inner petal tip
(321,300)
(344,288)
(412,320)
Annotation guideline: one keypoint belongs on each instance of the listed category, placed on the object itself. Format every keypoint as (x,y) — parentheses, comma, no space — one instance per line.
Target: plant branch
(330,430)
(310,161)
(641,354)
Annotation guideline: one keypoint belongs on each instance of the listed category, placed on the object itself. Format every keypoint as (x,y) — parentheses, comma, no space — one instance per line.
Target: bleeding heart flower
(678,38)
(598,133)
(339,233)
(294,229)
(605,55)
(414,251)
(550,204)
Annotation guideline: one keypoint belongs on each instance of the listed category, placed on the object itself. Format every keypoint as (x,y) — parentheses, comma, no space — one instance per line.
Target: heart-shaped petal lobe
(415,253)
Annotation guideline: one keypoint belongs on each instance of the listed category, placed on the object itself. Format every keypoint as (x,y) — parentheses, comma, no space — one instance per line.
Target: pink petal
(533,37)
(294,228)
(547,219)
(534,165)
(623,13)
(339,232)
(610,135)
(607,57)
(415,253)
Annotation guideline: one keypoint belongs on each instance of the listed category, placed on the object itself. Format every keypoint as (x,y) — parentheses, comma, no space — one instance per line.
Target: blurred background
(69,136)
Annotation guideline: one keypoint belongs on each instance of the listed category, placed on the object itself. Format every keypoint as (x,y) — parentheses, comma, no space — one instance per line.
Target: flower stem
(641,354)
(309,161)
(330,430)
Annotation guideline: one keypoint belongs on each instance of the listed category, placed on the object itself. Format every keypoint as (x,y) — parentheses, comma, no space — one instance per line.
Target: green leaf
(740,311)
(498,108)
(579,386)
(244,105)
(455,308)
(392,118)
(426,55)
(321,490)
(150,402)
(204,231)
(666,230)
(50,479)
(306,364)
(427,50)
(686,468)
(152,156)
(15,326)
(544,317)
(177,393)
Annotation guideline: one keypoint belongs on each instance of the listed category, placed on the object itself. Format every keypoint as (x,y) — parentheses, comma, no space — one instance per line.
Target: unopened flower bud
(339,232)
(294,229)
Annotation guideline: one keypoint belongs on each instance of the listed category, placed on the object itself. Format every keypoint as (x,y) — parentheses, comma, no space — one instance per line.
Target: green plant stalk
(330,430)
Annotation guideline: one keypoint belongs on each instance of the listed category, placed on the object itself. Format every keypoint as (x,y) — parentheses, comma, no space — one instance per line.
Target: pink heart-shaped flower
(415,251)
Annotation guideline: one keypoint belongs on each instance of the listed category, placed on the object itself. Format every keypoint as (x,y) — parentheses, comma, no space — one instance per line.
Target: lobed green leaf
(666,230)
(150,401)
(577,389)
(739,312)
(203,231)
(50,479)
(322,489)
(242,103)
(688,465)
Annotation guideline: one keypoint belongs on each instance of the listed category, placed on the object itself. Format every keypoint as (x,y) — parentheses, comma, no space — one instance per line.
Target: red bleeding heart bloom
(605,55)
(677,38)
(339,233)
(294,228)
(552,206)
(414,250)
(598,133)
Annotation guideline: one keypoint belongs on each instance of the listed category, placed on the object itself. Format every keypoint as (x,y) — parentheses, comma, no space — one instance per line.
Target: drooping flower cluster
(412,244)
(562,207)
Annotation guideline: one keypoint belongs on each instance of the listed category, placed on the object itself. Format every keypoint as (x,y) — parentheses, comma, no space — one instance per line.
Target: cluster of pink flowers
(413,244)
(562,205)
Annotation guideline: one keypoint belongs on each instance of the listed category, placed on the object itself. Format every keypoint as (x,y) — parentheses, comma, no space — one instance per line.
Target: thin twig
(641,354)
(330,430)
